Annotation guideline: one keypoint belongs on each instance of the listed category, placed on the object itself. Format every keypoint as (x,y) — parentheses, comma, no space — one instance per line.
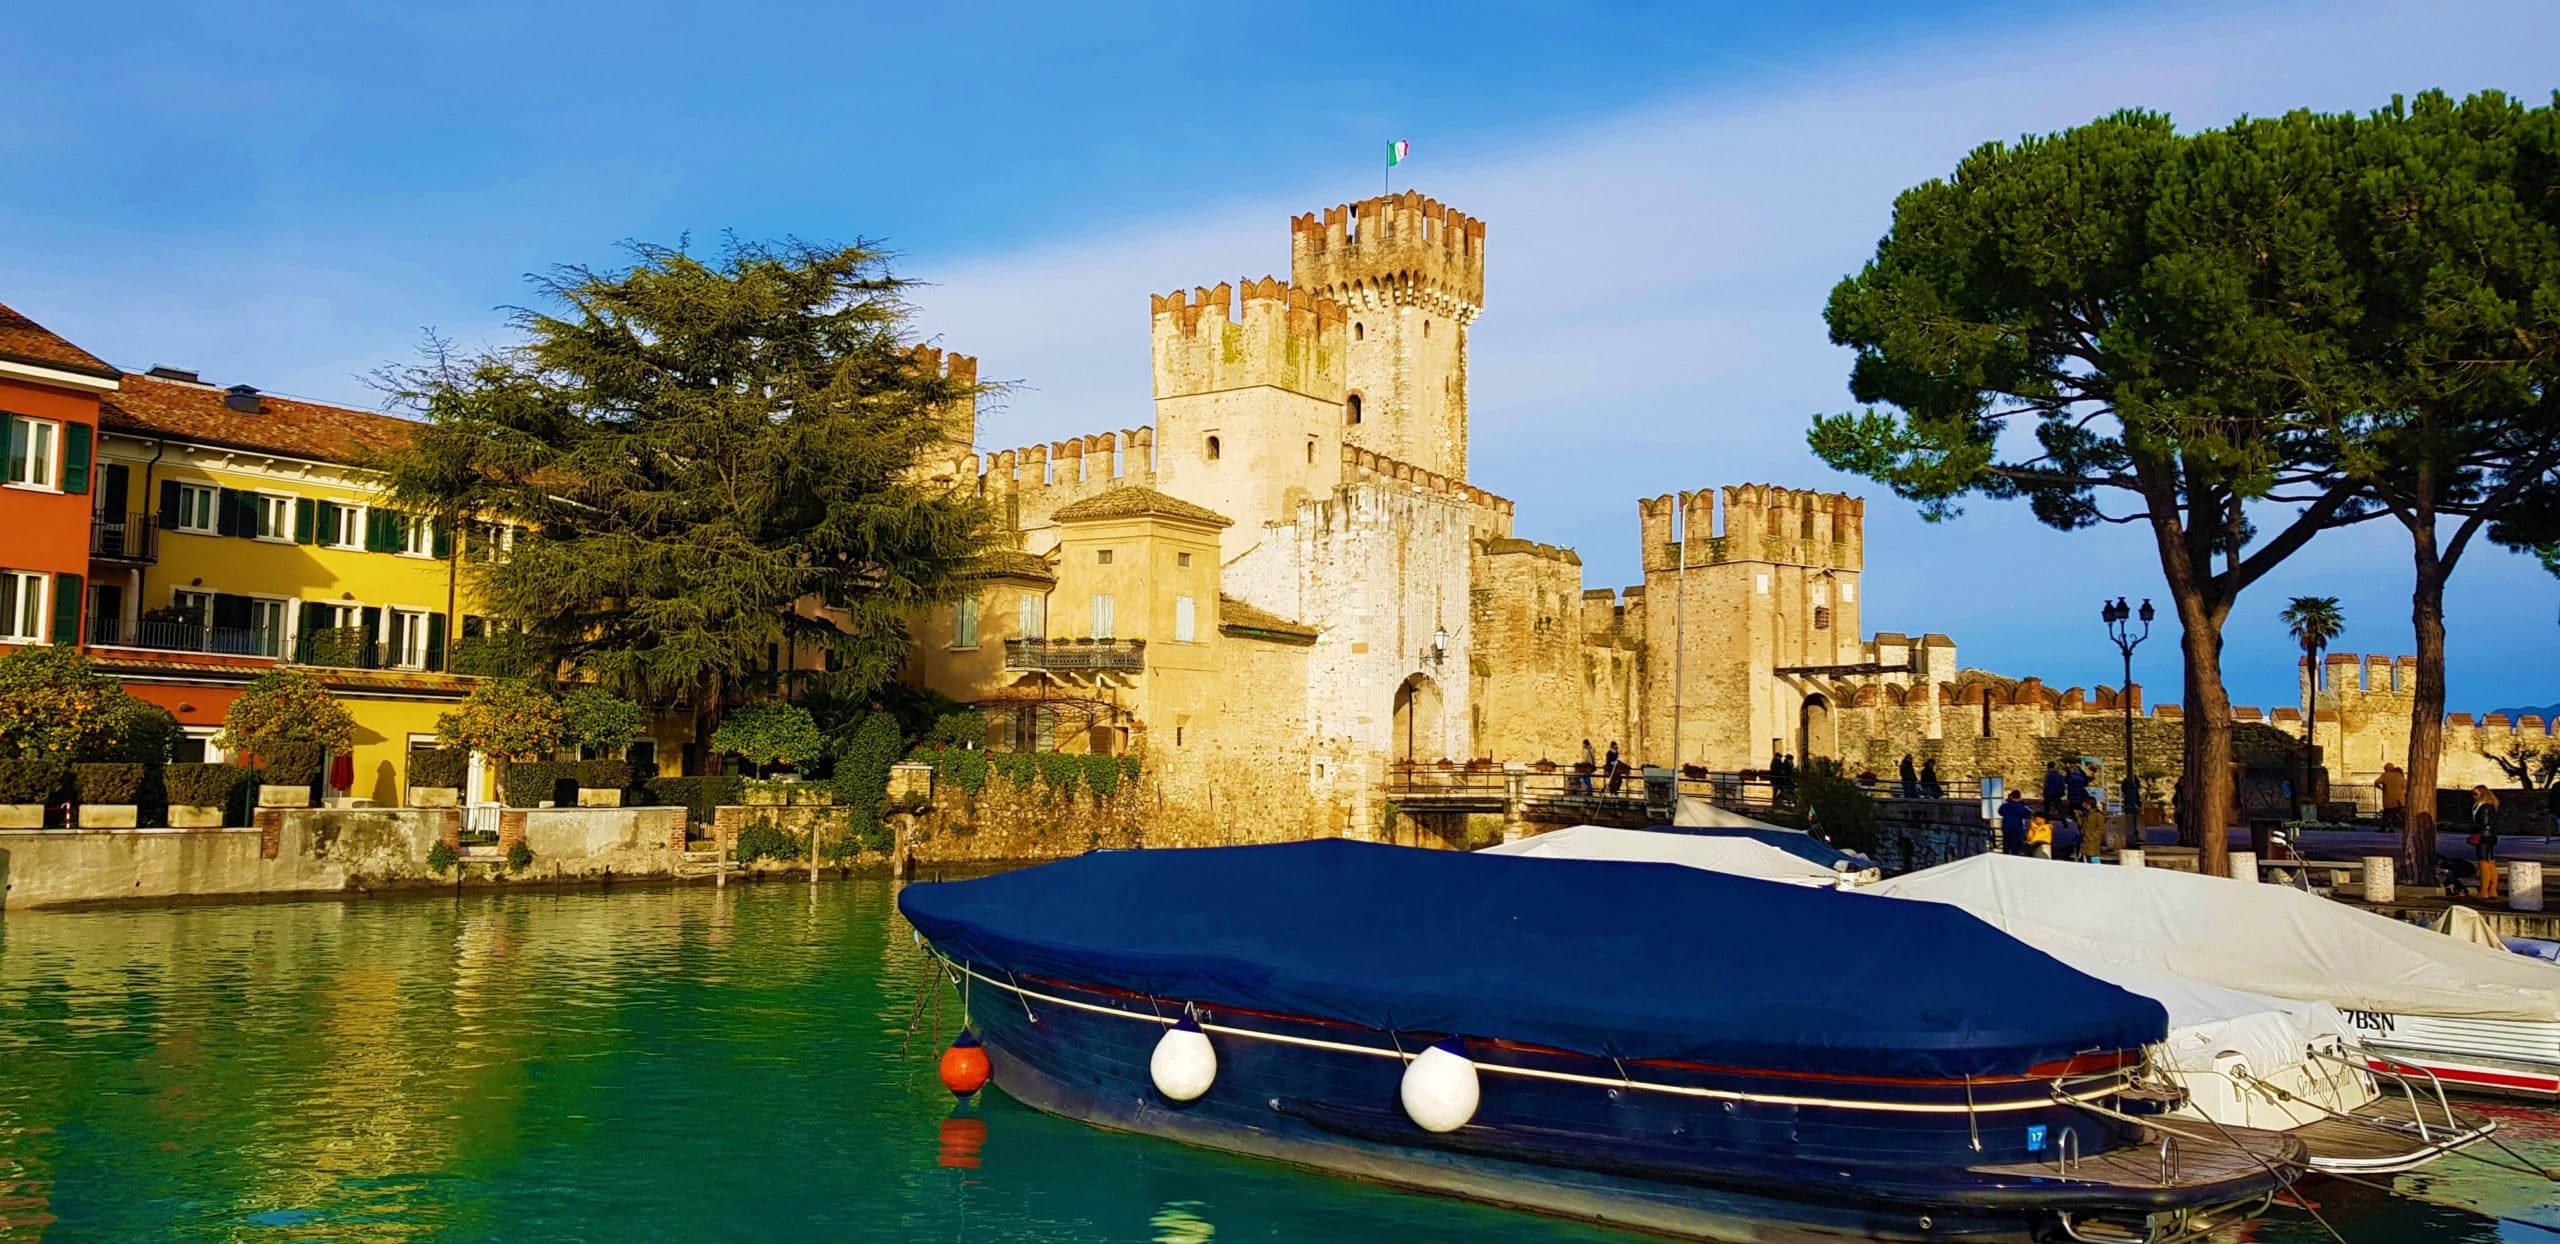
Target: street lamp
(2119,618)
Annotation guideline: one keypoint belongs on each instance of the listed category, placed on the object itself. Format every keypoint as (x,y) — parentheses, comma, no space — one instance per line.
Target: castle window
(1426,328)
(1822,617)
(1311,453)
(1359,331)
(1351,409)
(1102,558)
(1213,449)
(1182,559)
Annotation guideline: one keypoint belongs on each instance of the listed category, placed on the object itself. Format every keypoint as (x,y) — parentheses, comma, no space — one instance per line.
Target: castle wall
(2364,704)
(1409,274)
(1248,402)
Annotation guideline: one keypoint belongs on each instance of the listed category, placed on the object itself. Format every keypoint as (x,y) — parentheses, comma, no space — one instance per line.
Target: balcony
(184,637)
(133,539)
(339,647)
(1075,654)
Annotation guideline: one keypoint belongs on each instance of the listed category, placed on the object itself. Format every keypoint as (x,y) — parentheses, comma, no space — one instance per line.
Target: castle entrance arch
(1417,721)
(1817,732)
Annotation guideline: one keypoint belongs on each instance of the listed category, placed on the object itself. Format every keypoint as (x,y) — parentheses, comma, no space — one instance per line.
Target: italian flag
(1397,151)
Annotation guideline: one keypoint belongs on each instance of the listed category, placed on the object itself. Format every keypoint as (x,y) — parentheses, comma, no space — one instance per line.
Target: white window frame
(275,635)
(188,495)
(417,536)
(350,532)
(403,652)
(1186,620)
(39,596)
(281,504)
(964,623)
(1031,616)
(45,473)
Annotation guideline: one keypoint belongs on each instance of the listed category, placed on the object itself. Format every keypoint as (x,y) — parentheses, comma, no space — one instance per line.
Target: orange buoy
(964,1065)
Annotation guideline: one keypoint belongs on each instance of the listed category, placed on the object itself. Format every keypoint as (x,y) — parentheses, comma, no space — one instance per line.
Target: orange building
(49,396)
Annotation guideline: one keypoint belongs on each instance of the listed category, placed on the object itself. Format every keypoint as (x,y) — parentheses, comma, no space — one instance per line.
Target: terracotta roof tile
(1015,564)
(1131,501)
(152,406)
(25,341)
(1235,615)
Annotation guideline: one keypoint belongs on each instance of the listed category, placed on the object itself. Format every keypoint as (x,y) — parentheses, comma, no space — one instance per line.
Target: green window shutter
(303,532)
(443,537)
(168,503)
(328,511)
(75,457)
(435,641)
(373,655)
(66,609)
(9,442)
(379,536)
(227,505)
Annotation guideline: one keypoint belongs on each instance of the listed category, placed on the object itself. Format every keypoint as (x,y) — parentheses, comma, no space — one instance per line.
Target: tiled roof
(1235,615)
(1015,564)
(25,341)
(1131,501)
(142,664)
(197,413)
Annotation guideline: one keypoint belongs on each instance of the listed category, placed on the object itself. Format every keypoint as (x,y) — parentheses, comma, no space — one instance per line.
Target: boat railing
(2391,1067)
(2067,1149)
(2168,1157)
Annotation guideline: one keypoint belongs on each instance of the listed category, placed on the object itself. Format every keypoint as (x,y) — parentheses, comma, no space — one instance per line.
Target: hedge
(289,764)
(108,782)
(615,774)
(438,766)
(702,795)
(32,780)
(530,783)
(202,786)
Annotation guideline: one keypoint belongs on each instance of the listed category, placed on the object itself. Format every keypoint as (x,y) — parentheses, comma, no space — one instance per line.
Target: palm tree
(2314,621)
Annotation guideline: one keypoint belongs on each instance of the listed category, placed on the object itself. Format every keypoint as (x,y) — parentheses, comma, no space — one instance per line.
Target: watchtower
(1409,275)
(1248,400)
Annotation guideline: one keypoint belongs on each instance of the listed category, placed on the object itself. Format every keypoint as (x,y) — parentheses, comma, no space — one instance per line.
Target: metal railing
(340,647)
(184,637)
(125,538)
(1075,654)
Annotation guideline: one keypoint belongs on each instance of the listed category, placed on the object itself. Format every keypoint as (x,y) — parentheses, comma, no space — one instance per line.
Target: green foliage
(32,779)
(862,766)
(1020,768)
(1059,772)
(289,764)
(139,732)
(608,774)
(202,785)
(531,783)
(704,442)
(285,707)
(763,840)
(440,858)
(593,717)
(338,647)
(2314,622)
(1836,803)
(952,766)
(966,729)
(114,782)
(1129,769)
(702,796)
(55,703)
(768,733)
(502,653)
(439,766)
(1101,774)
(518,856)
(507,718)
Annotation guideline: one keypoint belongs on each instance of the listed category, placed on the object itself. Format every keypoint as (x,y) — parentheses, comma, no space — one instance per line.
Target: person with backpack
(2013,824)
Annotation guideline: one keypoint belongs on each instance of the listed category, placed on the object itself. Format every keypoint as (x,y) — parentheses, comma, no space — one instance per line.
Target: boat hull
(1693,1152)
(2513,1059)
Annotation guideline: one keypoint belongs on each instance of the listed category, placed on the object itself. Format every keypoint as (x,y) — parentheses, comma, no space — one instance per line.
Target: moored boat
(1662,1048)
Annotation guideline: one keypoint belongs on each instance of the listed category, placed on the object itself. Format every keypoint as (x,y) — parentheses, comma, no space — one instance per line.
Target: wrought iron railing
(1075,654)
(339,647)
(184,637)
(125,538)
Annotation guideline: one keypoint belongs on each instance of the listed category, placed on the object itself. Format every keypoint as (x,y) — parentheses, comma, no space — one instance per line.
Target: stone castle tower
(1249,400)
(1409,274)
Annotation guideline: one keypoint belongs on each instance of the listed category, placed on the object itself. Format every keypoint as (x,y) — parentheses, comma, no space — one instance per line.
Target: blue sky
(287,195)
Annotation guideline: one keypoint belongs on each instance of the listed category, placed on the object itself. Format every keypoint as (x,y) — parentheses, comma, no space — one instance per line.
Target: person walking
(2394,786)
(2054,787)
(1582,772)
(2484,840)
(1929,787)
(2014,813)
(1617,772)
(2093,829)
(1910,778)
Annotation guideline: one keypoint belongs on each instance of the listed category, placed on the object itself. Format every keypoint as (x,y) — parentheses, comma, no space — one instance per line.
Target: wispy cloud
(1655,286)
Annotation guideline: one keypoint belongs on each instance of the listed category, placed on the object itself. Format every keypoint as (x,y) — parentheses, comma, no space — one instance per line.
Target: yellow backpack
(2039,832)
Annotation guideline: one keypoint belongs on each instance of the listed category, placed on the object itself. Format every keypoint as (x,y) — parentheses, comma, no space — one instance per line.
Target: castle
(1286,585)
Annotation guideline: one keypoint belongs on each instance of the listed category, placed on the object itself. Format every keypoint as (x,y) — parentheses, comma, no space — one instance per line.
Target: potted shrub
(1544,765)
(288,721)
(769,733)
(601,783)
(110,794)
(27,785)
(286,773)
(521,725)
(539,784)
(436,775)
(199,794)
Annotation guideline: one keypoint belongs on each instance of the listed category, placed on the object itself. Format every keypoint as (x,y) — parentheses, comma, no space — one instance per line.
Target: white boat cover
(1691,812)
(2263,939)
(1735,856)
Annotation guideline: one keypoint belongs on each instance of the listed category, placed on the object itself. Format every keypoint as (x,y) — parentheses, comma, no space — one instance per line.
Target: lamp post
(2119,619)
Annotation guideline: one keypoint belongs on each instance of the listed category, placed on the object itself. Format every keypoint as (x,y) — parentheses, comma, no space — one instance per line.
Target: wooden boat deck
(2193,1159)
(2379,1138)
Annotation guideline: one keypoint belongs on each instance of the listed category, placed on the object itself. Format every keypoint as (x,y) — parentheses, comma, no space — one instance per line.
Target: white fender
(1439,1090)
(1184,1065)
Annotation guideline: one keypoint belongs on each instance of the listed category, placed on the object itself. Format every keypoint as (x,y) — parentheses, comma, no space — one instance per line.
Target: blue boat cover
(1619,960)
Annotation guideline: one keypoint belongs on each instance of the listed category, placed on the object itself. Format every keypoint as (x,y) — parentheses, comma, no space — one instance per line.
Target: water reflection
(690,1063)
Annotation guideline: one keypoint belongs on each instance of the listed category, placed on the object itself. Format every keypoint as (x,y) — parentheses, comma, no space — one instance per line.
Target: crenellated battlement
(1510,547)
(1362,464)
(1399,249)
(1033,480)
(2362,675)
(1276,334)
(1754,523)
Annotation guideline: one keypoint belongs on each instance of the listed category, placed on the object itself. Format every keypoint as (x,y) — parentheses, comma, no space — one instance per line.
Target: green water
(645,1064)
